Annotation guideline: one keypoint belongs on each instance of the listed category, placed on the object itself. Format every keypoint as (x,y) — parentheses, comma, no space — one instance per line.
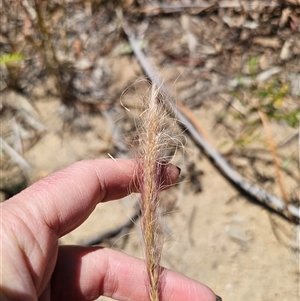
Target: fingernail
(218,298)
(179,169)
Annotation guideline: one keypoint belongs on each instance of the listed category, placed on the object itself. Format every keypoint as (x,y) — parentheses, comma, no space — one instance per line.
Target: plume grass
(154,141)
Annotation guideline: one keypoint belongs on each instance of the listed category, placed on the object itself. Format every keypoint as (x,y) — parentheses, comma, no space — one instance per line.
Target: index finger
(64,200)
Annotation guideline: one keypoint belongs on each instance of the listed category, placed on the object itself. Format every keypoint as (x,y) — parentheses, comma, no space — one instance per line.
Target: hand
(34,267)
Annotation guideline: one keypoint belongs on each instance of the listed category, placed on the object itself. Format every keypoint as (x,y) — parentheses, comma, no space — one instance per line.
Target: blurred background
(70,67)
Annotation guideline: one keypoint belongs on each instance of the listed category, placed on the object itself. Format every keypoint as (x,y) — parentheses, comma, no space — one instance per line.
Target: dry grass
(154,137)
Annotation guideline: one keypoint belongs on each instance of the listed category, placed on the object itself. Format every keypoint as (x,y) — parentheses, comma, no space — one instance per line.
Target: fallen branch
(263,197)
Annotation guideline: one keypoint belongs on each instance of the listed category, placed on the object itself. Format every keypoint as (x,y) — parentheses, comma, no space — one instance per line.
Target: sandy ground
(216,236)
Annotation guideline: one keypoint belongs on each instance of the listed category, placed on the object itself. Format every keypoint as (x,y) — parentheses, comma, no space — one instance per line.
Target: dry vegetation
(234,66)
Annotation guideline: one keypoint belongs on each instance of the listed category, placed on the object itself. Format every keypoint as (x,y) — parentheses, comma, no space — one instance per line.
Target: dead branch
(271,201)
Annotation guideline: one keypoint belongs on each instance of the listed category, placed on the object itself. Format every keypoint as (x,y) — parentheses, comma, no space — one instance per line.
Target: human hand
(34,267)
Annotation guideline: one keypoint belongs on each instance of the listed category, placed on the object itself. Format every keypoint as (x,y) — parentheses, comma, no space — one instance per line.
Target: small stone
(237,233)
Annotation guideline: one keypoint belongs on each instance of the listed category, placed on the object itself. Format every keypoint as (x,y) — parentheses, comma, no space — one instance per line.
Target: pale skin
(35,267)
